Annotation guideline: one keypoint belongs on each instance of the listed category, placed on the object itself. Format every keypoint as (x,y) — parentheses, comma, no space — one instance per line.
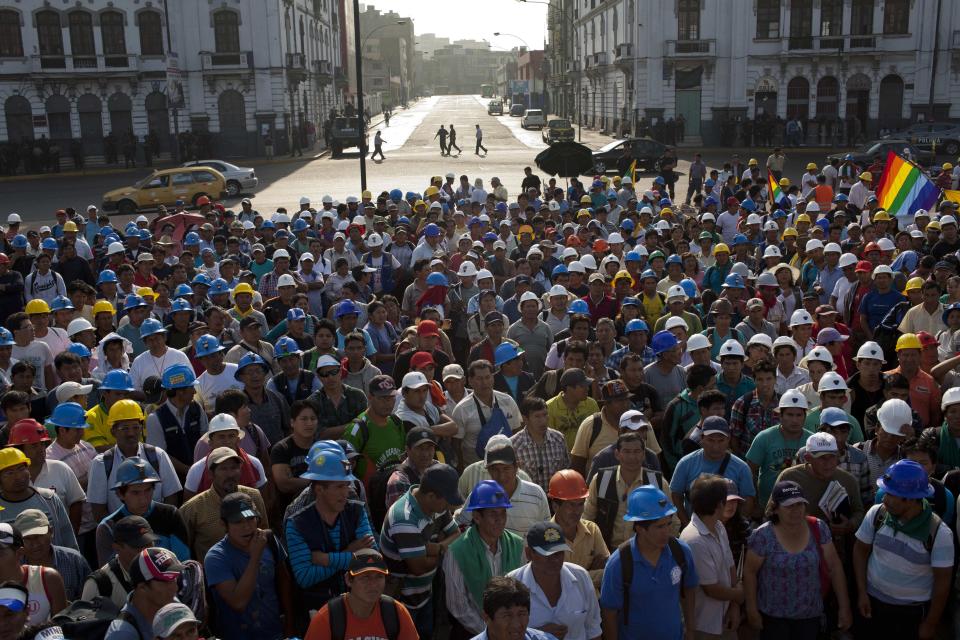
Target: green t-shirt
(377,445)
(772,454)
(812,423)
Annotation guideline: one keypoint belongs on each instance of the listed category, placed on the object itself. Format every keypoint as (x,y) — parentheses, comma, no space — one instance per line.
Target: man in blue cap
(178,423)
(156,358)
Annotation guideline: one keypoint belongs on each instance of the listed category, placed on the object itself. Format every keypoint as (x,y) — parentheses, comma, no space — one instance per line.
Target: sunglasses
(329,373)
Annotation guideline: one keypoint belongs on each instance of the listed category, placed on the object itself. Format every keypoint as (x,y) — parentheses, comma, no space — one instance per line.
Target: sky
(474,19)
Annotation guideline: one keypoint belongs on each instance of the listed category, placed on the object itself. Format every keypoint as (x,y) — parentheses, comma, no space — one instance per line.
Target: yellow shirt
(652,308)
(586,549)
(608,435)
(97,432)
(567,422)
(622,529)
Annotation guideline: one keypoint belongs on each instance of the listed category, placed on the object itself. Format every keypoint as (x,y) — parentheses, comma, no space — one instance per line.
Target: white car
(533,118)
(239,179)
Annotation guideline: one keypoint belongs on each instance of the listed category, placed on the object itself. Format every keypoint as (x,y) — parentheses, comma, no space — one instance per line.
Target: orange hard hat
(568,484)
(27,431)
(202,200)
(600,245)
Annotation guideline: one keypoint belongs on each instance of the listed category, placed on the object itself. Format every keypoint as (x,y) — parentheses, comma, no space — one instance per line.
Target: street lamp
(361,116)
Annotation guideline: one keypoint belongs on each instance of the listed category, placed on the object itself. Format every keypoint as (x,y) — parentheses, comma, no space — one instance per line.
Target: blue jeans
(423,619)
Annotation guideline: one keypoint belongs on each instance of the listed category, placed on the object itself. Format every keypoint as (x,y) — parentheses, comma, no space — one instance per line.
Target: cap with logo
(546,538)
(366,560)
(382,386)
(715,424)
(786,493)
(154,563)
(237,507)
(171,617)
(632,420)
(420,435)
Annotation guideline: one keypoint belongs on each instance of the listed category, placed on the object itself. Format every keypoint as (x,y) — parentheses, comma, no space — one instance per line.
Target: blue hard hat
(500,207)
(182,290)
(191,239)
(347,307)
(281,233)
(75,348)
(396,195)
(19,241)
(150,327)
(659,180)
(178,376)
(117,380)
(506,352)
(710,200)
(207,345)
(489,236)
(630,301)
(219,286)
(410,195)
(328,464)
(906,479)
(61,303)
(578,306)
(201,279)
(6,338)
(488,494)
(849,156)
(248,360)
(49,244)
(145,234)
(180,305)
(709,182)
(110,239)
(133,301)
(648,502)
(733,281)
(946,311)
(749,204)
(300,225)
(135,470)
(627,224)
(105,231)
(663,341)
(689,287)
(431,230)
(740,239)
(632,256)
(665,202)
(473,221)
(675,259)
(107,275)
(560,269)
(779,213)
(403,220)
(648,273)
(636,325)
(296,313)
(69,415)
(131,227)
(841,197)
(286,346)
(437,280)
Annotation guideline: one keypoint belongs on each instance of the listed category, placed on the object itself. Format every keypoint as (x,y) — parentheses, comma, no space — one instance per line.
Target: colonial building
(882,62)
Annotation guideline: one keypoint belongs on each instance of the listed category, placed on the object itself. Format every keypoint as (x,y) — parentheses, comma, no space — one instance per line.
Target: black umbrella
(566,159)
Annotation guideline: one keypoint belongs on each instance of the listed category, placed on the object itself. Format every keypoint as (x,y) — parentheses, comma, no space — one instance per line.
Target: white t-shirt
(39,355)
(727,226)
(79,460)
(59,477)
(195,474)
(57,340)
(100,488)
(210,386)
(146,365)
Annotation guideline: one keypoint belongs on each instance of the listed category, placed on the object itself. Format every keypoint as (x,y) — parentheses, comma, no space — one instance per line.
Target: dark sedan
(864,156)
(647,152)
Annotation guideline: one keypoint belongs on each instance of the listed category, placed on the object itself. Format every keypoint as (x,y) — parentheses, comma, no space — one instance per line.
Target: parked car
(863,156)
(942,137)
(557,130)
(533,118)
(646,151)
(494,108)
(166,187)
(240,180)
(517,109)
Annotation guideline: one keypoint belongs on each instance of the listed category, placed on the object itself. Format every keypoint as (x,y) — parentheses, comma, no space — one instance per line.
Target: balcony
(573,66)
(221,61)
(599,59)
(340,77)
(296,66)
(85,64)
(690,48)
(323,69)
(623,55)
(832,44)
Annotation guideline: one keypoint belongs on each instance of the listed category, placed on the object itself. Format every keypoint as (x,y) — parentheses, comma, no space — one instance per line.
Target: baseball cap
(367,560)
(786,493)
(422,359)
(221,454)
(453,371)
(419,435)
(499,451)
(134,531)
(715,424)
(69,389)
(14,598)
(633,420)
(10,536)
(32,522)
(443,480)
(382,386)
(414,380)
(237,507)
(154,563)
(546,538)
(613,390)
(171,617)
(822,443)
(574,378)
(428,328)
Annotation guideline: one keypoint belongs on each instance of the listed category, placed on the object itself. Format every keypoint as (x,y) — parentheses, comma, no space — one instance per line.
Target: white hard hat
(771,226)
(945,220)
(676,291)
(708,217)
(374,240)
(950,396)
(870,350)
(772,251)
(799,317)
(893,415)
(615,238)
(814,244)
(528,296)
(558,290)
(467,270)
(732,348)
(286,280)
(588,261)
(882,269)
(761,338)
(483,274)
(755,219)
(306,255)
(280,218)
(819,354)
(675,321)
(569,252)
(793,399)
(847,260)
(785,341)
(13,218)
(832,381)
(304,200)
(813,206)
(248,225)
(576,267)
(886,244)
(141,218)
(78,325)
(697,341)
(766,279)
(114,247)
(832,247)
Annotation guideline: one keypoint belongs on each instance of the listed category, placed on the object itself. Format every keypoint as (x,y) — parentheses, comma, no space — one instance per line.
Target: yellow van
(166,187)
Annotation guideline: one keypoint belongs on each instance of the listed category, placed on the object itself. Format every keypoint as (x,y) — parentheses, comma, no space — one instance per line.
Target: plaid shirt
(541,461)
(748,417)
(402,478)
(615,358)
(268,283)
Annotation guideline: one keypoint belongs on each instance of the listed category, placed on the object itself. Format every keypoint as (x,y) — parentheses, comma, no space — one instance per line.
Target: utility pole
(934,59)
(361,116)
(176,117)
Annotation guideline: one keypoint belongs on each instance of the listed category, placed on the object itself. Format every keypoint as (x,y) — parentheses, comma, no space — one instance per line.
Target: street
(412,156)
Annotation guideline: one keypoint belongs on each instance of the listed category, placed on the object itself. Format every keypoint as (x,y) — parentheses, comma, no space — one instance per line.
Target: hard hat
(663,341)
(866,176)
(223,422)
(11,457)
(721,248)
(69,225)
(752,162)
(733,281)
(243,287)
(689,287)
(950,397)
(347,308)
(697,341)
(6,338)
(636,325)
(219,287)
(134,470)
(286,346)
(437,280)
(328,464)
(832,381)
(124,410)
(913,283)
(488,494)
(818,354)
(811,166)
(114,248)
(69,415)
(27,431)
(676,291)
(785,341)
(908,341)
(581,306)
(374,240)
(19,241)
(568,484)
(793,399)
(832,247)
(506,352)
(813,244)
(800,317)
(772,251)
(247,360)
(133,301)
(648,503)
(182,291)
(947,166)
(906,479)
(37,306)
(180,305)
(117,380)
(75,348)
(731,348)
(784,182)
(49,244)
(150,327)
(178,376)
(203,279)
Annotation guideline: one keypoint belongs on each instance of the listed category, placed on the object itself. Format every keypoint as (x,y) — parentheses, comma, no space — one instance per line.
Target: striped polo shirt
(406,532)
(900,569)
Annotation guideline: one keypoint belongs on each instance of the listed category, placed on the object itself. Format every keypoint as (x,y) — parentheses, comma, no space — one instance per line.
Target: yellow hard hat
(103,306)
(803,218)
(124,410)
(881,215)
(913,283)
(37,306)
(616,179)
(70,225)
(430,191)
(946,167)
(419,203)
(11,457)
(243,287)
(666,211)
(146,292)
(866,176)
(721,248)
(585,200)
(790,231)
(908,341)
(753,162)
(583,212)
(366,195)
(784,182)
(811,166)
(621,275)
(934,224)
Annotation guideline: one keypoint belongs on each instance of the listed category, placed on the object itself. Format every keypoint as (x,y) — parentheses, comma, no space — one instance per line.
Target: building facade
(238,70)
(461,67)
(719,63)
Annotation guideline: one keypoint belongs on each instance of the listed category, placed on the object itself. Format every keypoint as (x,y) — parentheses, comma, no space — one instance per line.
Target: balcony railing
(228,61)
(296,61)
(85,63)
(322,67)
(623,52)
(832,43)
(690,48)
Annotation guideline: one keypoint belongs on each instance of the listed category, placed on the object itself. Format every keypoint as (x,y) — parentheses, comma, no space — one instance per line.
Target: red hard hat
(27,431)
(4,258)
(568,484)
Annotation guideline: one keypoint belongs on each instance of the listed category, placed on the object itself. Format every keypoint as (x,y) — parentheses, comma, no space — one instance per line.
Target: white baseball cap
(821,443)
(414,380)
(281,253)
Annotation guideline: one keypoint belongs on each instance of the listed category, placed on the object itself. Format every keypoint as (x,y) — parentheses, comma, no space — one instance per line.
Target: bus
(486,91)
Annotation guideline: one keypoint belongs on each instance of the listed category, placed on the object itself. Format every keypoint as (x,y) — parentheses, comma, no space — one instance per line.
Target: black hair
(764,366)
(325,323)
(700,375)
(502,592)
(477,365)
(895,381)
(12,398)
(629,436)
(527,406)
(709,398)
(66,357)
(708,492)
(231,401)
(299,406)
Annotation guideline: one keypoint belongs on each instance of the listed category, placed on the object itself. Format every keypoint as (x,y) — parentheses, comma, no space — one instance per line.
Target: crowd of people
(564,413)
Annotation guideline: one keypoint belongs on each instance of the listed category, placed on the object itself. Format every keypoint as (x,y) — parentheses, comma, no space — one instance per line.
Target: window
(828,96)
(81,34)
(688,22)
(801,24)
(50,38)
(180,179)
(798,98)
(896,17)
(226,31)
(11,41)
(114,39)
(861,23)
(768,19)
(831,19)
(204,176)
(151,33)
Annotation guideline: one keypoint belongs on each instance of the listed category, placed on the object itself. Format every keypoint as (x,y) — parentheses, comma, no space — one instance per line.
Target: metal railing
(681,48)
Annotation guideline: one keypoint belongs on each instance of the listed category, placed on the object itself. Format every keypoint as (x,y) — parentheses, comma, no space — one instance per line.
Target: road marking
(404,123)
(531,138)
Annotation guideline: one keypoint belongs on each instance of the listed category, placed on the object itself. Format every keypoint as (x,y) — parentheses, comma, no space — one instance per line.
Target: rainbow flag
(903,188)
(777,196)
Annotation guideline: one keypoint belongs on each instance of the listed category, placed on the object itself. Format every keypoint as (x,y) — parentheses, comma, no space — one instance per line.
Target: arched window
(11,40)
(19,119)
(121,118)
(81,39)
(890,114)
(151,33)
(226,31)
(50,40)
(798,98)
(114,38)
(90,110)
(828,96)
(58,117)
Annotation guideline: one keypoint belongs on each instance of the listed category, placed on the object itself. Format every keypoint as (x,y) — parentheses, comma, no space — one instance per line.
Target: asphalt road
(412,156)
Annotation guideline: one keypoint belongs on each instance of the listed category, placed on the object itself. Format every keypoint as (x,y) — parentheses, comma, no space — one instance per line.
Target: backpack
(87,619)
(148,449)
(825,583)
(935,521)
(888,330)
(626,569)
(377,487)
(388,615)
